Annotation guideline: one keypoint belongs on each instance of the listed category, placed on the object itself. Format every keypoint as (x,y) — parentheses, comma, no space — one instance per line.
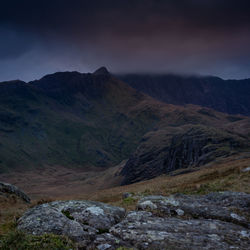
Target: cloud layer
(188,36)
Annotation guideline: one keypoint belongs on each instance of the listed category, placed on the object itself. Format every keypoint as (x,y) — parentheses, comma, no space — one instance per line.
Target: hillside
(91,122)
(69,119)
(229,96)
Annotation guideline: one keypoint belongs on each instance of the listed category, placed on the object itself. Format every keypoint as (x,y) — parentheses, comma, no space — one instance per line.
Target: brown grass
(224,175)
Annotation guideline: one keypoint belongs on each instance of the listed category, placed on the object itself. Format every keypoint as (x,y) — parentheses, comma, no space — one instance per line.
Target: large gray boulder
(79,220)
(225,206)
(6,188)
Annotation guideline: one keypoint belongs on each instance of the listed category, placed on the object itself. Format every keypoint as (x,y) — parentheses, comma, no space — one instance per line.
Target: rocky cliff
(169,149)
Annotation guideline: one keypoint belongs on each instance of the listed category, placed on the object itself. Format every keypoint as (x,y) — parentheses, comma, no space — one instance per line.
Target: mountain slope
(69,119)
(229,96)
(91,121)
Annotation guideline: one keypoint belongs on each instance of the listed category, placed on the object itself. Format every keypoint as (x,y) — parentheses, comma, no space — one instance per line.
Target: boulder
(225,206)
(143,230)
(79,220)
(6,188)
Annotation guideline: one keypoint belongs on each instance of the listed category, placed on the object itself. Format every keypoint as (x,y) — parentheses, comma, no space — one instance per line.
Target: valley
(72,132)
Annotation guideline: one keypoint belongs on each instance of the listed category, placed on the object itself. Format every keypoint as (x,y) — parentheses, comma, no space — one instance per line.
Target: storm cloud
(208,37)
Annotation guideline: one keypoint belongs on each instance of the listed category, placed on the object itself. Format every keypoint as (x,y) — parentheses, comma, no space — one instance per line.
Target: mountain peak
(101,71)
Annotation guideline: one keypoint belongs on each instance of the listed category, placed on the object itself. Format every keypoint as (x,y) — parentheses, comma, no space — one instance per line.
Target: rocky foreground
(214,221)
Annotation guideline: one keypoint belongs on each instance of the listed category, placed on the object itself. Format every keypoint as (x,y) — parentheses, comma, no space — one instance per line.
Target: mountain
(229,96)
(95,121)
(69,119)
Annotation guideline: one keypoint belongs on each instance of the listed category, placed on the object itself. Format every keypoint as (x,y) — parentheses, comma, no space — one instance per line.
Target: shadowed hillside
(229,96)
(95,121)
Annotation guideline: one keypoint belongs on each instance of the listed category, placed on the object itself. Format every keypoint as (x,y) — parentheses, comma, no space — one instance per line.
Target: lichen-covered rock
(225,206)
(79,220)
(213,221)
(11,189)
(142,230)
(108,241)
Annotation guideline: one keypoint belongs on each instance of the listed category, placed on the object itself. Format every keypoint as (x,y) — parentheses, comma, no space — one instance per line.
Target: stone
(79,220)
(147,204)
(225,206)
(245,170)
(126,195)
(11,189)
(213,221)
(180,212)
(108,241)
(143,230)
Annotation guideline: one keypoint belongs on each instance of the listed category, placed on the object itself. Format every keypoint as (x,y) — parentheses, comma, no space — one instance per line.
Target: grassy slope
(221,175)
(224,174)
(43,131)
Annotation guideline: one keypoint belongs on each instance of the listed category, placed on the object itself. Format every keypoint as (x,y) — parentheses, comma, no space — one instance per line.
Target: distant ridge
(228,96)
(101,71)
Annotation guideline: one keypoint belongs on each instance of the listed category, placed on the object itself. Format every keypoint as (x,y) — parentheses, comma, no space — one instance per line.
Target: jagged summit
(101,71)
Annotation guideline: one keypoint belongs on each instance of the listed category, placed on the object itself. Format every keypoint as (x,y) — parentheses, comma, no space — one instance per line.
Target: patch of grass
(21,241)
(8,226)
(67,214)
(129,201)
(201,189)
(222,175)
(146,192)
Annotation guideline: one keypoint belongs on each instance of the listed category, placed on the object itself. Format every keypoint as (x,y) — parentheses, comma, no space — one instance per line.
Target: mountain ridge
(228,96)
(71,119)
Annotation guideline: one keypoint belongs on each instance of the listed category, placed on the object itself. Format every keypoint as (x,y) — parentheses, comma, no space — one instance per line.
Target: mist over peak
(187,37)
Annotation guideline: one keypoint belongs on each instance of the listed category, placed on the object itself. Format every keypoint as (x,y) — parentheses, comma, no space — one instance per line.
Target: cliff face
(165,151)
(229,96)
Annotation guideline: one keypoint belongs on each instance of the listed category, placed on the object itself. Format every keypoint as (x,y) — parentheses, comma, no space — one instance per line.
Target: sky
(204,37)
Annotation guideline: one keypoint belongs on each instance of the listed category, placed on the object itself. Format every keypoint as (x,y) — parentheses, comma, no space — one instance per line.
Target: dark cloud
(188,36)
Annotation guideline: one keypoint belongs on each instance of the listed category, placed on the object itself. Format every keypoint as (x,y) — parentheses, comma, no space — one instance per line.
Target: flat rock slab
(11,189)
(225,206)
(79,220)
(142,230)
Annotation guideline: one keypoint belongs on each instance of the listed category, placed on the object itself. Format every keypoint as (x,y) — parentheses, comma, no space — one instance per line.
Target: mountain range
(229,96)
(95,121)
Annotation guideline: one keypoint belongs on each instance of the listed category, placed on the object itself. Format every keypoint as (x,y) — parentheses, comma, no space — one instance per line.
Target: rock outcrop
(146,231)
(225,206)
(214,221)
(6,188)
(82,221)
(167,150)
